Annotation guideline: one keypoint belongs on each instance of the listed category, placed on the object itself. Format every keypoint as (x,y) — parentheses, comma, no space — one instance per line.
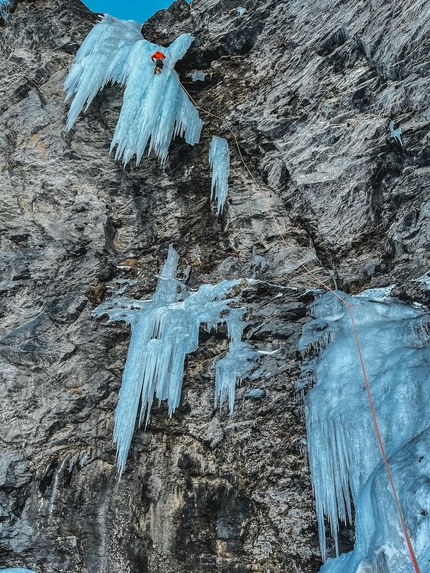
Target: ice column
(219,160)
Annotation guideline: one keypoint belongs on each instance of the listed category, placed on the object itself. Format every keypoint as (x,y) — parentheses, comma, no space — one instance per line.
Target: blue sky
(139,10)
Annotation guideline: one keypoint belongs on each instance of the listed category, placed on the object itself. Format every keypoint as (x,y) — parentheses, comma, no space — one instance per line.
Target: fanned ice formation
(344,454)
(155,107)
(164,330)
(219,160)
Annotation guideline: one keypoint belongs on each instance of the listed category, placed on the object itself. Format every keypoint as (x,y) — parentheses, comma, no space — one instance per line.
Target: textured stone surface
(309,89)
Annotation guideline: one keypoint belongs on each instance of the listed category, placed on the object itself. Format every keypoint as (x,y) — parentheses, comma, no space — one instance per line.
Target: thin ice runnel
(343,450)
(164,330)
(155,107)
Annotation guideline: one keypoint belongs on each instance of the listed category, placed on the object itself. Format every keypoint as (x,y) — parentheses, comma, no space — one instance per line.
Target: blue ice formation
(16,570)
(155,107)
(165,329)
(5,8)
(380,545)
(425,279)
(396,133)
(254,393)
(219,160)
(344,455)
(197,75)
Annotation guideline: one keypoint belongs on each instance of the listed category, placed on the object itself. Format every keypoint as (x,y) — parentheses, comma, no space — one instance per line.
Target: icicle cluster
(164,330)
(155,107)
(344,454)
(219,160)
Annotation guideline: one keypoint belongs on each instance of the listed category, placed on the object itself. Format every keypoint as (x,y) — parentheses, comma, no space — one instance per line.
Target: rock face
(309,88)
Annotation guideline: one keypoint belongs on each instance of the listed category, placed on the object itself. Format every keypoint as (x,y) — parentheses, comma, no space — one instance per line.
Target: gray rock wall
(309,88)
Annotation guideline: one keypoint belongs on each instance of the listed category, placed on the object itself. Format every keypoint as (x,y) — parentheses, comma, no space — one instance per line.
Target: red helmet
(158,56)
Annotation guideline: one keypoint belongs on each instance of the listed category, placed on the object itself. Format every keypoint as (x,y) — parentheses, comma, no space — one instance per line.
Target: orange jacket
(158,56)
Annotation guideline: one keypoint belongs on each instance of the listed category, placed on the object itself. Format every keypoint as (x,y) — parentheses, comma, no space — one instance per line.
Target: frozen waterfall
(164,330)
(155,107)
(344,454)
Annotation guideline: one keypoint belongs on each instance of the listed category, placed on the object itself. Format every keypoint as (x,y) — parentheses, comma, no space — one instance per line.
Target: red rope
(363,368)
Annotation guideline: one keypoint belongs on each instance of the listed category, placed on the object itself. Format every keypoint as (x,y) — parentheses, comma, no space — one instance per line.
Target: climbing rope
(354,327)
(381,446)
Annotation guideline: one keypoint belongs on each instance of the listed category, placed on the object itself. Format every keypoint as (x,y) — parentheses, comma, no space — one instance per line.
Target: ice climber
(158,59)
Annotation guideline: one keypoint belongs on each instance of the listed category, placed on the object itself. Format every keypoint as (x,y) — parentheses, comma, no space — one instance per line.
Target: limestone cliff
(309,88)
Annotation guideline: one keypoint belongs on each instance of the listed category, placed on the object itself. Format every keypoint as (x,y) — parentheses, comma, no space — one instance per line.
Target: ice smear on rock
(396,133)
(425,279)
(254,393)
(197,75)
(16,570)
(219,160)
(155,107)
(164,330)
(344,454)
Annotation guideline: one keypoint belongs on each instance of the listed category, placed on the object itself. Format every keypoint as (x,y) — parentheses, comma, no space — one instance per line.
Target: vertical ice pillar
(219,160)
